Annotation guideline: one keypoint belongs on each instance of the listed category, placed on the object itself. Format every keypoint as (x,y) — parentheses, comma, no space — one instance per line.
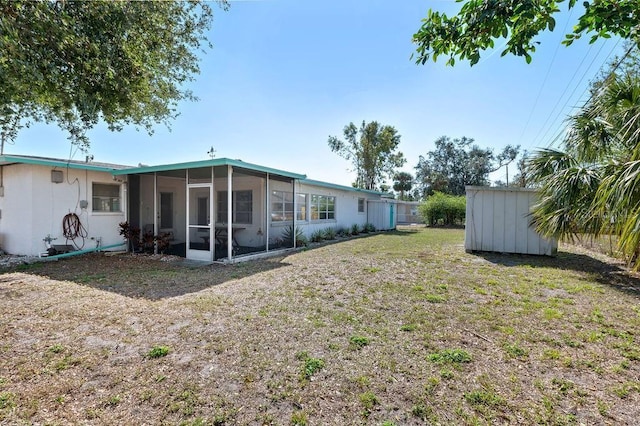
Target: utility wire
(544,81)
(584,74)
(584,58)
(613,70)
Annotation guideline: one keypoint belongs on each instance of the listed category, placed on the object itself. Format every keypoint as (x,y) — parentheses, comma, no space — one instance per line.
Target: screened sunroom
(214,210)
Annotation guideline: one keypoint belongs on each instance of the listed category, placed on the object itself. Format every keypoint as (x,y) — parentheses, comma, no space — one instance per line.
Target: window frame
(362,200)
(302,208)
(110,199)
(322,208)
(279,210)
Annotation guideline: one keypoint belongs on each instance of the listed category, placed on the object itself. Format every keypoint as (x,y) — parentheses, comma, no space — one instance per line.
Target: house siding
(33,207)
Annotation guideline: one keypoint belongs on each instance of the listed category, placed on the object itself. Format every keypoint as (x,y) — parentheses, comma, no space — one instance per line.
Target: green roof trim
(208,163)
(341,187)
(6,160)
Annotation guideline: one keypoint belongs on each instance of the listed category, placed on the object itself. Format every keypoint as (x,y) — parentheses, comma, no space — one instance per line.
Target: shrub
(317,236)
(369,227)
(443,209)
(131,234)
(341,232)
(289,233)
(329,234)
(355,229)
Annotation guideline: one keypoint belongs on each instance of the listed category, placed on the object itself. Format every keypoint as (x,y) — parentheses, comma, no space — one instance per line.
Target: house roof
(119,169)
(336,186)
(6,160)
(208,163)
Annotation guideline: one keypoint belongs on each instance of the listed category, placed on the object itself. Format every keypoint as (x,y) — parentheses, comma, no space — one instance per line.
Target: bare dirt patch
(402,328)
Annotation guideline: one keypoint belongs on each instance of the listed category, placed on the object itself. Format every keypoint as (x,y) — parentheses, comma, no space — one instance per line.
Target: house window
(242,207)
(281,206)
(301,206)
(323,207)
(106,197)
(360,205)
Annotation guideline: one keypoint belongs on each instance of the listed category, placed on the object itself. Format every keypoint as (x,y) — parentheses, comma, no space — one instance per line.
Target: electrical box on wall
(56,176)
(84,204)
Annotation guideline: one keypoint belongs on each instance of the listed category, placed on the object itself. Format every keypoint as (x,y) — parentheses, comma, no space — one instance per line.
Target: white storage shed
(497,219)
(382,214)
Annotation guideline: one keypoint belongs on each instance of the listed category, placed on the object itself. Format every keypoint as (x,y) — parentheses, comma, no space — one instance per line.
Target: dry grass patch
(395,328)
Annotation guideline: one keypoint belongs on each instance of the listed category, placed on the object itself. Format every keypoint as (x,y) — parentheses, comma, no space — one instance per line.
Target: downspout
(267,225)
(229,213)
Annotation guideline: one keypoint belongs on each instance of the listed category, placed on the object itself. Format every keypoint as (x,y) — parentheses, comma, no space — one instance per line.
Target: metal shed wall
(382,214)
(497,219)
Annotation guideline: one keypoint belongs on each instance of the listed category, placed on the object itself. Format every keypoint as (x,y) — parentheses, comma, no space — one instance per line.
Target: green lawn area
(391,329)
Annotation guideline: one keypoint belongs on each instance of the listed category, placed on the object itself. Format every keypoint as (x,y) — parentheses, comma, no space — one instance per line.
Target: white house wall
(177,187)
(253,234)
(346,208)
(146,200)
(33,207)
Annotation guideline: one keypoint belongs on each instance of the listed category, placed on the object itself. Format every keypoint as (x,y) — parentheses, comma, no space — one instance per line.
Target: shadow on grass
(602,272)
(140,276)
(148,277)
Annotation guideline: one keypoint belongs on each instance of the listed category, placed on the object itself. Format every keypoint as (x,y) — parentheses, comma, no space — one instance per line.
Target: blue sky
(283,75)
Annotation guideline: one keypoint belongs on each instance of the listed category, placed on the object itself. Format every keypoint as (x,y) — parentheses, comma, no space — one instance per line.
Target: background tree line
(373,150)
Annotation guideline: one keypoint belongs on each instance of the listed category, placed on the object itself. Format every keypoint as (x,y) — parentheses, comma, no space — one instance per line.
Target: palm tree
(592,185)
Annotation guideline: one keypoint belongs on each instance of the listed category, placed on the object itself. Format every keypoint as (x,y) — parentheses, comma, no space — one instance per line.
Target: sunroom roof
(208,163)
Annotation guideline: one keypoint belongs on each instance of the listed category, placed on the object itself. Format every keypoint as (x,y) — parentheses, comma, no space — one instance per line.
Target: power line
(584,74)
(544,82)
(613,70)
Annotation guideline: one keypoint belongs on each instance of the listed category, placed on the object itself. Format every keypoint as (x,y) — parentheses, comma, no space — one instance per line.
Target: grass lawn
(392,329)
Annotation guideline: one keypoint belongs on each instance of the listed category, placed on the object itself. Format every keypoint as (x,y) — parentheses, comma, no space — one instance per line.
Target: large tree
(592,183)
(75,63)
(373,151)
(402,183)
(457,163)
(480,23)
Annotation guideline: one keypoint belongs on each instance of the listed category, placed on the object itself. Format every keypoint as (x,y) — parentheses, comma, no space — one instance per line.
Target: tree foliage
(592,184)
(402,183)
(443,209)
(75,63)
(481,22)
(457,163)
(373,151)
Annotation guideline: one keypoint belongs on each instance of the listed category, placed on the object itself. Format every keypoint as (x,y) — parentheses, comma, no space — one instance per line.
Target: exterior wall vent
(56,176)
